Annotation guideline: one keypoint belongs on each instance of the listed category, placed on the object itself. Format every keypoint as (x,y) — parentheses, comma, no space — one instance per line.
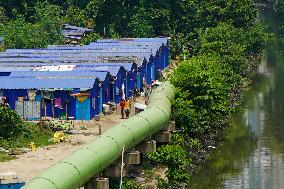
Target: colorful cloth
(127,105)
(82,98)
(38,98)
(58,103)
(122,104)
(21,99)
(32,95)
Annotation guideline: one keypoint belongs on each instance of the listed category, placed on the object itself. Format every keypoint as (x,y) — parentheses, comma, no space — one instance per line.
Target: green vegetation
(127,183)
(43,29)
(220,42)
(5,157)
(11,125)
(14,133)
(210,82)
(26,24)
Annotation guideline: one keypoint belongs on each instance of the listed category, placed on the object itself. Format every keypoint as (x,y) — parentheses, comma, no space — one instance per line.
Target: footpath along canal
(252,156)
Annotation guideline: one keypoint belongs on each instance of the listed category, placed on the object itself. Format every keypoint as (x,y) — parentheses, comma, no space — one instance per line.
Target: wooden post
(66,105)
(52,107)
(100,129)
(44,109)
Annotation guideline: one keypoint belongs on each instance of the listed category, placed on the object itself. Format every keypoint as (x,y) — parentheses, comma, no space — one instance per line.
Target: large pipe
(75,170)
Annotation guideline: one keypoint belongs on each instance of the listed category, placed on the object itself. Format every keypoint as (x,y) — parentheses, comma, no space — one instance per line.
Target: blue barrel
(12,186)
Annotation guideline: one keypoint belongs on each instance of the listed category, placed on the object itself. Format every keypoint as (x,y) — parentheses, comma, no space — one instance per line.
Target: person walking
(127,107)
(122,107)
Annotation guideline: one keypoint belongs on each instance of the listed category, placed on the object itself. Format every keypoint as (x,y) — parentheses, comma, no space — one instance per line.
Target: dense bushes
(15,133)
(11,125)
(209,85)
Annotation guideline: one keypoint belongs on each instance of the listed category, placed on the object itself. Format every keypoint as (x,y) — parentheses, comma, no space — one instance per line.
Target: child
(127,107)
(122,107)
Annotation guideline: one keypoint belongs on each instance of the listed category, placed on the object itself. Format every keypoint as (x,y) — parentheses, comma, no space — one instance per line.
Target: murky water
(253,154)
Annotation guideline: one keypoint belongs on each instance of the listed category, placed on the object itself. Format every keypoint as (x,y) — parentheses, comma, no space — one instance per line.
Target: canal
(252,156)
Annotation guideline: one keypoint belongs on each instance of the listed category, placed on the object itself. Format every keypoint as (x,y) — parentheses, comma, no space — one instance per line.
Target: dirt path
(31,164)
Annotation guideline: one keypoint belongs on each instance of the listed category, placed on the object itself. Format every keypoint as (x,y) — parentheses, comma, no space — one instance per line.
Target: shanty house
(74,34)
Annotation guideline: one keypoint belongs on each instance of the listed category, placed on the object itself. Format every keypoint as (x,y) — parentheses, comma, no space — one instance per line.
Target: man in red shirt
(122,107)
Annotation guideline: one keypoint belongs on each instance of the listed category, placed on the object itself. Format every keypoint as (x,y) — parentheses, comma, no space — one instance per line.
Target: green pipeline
(75,170)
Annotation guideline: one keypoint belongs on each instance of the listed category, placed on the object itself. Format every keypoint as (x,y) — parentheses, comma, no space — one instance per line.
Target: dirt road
(31,164)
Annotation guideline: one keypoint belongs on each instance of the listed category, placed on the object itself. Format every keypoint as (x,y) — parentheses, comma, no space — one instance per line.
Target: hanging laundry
(2,102)
(82,98)
(47,94)
(58,103)
(32,95)
(47,100)
(123,94)
(43,104)
(94,103)
(117,91)
(21,99)
(38,98)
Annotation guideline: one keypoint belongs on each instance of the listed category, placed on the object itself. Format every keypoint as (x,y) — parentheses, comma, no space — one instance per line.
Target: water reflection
(252,156)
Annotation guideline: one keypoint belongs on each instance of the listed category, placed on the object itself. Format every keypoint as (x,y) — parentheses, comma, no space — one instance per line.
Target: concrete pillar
(132,158)
(114,171)
(172,126)
(91,184)
(163,137)
(102,183)
(147,147)
(97,183)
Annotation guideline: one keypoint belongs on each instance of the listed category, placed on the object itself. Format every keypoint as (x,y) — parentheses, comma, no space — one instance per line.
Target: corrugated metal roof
(87,67)
(75,51)
(142,40)
(90,61)
(63,74)
(102,57)
(74,32)
(35,64)
(50,83)
(71,27)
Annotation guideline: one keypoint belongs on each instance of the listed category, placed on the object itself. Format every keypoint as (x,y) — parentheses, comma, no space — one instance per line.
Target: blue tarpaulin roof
(28,67)
(62,74)
(45,83)
(82,65)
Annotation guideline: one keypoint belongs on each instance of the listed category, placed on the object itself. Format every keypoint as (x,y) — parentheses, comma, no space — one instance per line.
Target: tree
(49,17)
(76,16)
(233,44)
(3,17)
(201,102)
(90,38)
(140,24)
(20,34)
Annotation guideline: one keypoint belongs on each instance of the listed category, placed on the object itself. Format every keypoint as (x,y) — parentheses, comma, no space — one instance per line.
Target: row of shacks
(76,82)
